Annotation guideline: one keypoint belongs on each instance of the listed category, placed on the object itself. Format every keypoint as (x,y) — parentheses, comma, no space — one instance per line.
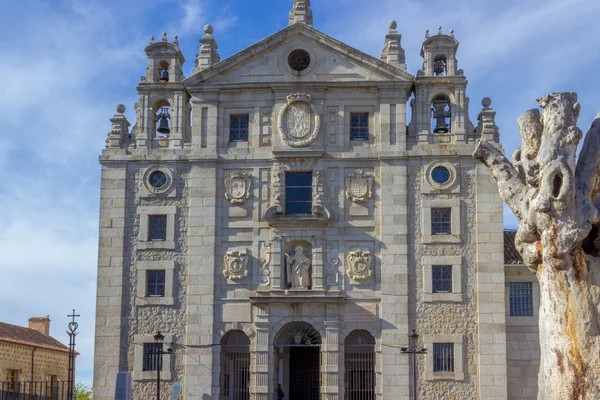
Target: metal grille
(521,299)
(441,276)
(152,356)
(299,334)
(443,357)
(235,367)
(158,227)
(441,221)
(359,361)
(50,390)
(238,128)
(359,126)
(299,60)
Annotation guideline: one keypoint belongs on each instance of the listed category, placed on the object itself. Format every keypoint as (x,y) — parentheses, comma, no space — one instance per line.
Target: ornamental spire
(301,13)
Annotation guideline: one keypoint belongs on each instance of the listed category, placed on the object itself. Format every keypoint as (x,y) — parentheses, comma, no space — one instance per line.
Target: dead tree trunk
(556,198)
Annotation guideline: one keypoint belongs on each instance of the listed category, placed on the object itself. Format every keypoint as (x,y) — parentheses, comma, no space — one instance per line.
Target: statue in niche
(297,269)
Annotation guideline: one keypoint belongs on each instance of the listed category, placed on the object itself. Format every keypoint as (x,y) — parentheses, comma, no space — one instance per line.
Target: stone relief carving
(265,263)
(299,122)
(237,187)
(359,186)
(297,269)
(359,265)
(236,265)
(334,262)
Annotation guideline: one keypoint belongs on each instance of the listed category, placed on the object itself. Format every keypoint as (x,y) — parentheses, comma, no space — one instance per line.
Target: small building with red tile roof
(31,355)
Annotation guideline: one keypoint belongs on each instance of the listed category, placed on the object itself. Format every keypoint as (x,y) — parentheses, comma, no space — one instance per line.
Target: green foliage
(82,392)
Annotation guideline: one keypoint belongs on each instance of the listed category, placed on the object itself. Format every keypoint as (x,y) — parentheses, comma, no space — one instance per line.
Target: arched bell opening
(440,65)
(441,115)
(164,71)
(162,119)
(298,361)
(359,364)
(234,377)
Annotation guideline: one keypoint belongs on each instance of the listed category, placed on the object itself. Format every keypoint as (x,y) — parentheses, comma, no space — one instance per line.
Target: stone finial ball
(393,25)
(121,108)
(208,29)
(486,102)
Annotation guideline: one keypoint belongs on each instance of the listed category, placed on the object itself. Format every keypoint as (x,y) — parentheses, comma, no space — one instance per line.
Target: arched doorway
(359,363)
(298,361)
(235,366)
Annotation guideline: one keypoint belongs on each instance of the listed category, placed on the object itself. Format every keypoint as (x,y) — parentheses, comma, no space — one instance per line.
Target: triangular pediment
(267,61)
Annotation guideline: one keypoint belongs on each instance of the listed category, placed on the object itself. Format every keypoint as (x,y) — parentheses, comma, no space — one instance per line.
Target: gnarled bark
(556,199)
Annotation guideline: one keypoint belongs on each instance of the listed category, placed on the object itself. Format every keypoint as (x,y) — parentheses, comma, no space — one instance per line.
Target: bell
(163,126)
(164,75)
(441,126)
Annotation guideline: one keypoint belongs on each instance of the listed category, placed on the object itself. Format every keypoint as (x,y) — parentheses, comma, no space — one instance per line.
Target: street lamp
(413,351)
(158,353)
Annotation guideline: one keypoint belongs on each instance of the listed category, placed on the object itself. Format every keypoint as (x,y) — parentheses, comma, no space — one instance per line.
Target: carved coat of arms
(359,265)
(359,186)
(237,187)
(299,122)
(236,265)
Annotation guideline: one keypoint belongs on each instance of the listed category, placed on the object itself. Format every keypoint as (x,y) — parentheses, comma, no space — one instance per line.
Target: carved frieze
(359,186)
(236,265)
(237,187)
(359,265)
(299,122)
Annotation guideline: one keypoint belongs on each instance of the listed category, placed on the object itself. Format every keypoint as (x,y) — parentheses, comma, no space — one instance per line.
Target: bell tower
(440,107)
(163,109)
(301,13)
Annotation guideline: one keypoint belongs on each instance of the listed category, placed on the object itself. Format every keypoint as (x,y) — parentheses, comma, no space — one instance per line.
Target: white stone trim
(458,374)
(456,263)
(426,206)
(453,184)
(138,345)
(144,213)
(142,268)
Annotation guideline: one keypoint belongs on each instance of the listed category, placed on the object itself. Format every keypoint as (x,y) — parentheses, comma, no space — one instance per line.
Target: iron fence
(33,390)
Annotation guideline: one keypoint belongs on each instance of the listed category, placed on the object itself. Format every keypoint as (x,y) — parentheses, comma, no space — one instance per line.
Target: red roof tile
(29,337)
(511,255)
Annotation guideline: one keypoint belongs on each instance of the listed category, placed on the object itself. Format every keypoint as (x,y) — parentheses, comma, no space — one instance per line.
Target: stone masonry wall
(46,362)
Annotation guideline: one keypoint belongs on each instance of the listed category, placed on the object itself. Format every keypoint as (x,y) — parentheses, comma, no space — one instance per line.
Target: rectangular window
(51,386)
(441,278)
(158,227)
(238,128)
(12,379)
(152,356)
(298,193)
(443,357)
(155,283)
(441,221)
(521,299)
(359,126)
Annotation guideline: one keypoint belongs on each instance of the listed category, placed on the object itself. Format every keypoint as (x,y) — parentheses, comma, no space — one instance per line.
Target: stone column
(110,323)
(330,352)
(201,276)
(491,316)
(262,369)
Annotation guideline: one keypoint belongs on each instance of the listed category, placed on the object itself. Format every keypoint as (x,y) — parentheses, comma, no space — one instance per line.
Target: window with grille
(359,126)
(158,227)
(152,356)
(155,283)
(298,193)
(441,221)
(521,299)
(441,276)
(235,366)
(238,128)
(359,361)
(443,357)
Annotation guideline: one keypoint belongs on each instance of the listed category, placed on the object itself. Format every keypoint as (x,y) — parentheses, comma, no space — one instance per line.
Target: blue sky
(67,63)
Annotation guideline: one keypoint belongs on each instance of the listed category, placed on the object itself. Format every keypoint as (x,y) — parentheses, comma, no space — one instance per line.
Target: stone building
(304,204)
(31,355)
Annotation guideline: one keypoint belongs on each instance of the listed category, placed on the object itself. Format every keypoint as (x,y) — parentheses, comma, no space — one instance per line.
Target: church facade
(287,216)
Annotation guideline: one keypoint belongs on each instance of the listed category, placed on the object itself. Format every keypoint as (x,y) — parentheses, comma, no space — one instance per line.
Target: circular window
(158,179)
(440,175)
(299,60)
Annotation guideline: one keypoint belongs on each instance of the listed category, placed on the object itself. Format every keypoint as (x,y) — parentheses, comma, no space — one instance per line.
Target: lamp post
(158,354)
(413,351)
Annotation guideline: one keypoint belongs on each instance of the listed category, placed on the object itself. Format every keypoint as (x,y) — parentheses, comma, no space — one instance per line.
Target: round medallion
(158,179)
(440,175)
(299,60)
